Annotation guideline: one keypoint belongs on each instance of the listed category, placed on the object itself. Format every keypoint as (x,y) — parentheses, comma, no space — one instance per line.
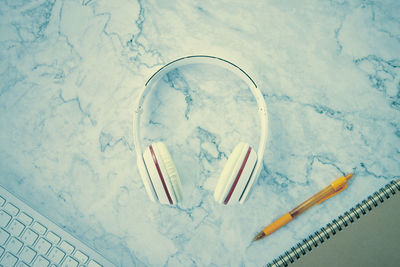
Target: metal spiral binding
(336,225)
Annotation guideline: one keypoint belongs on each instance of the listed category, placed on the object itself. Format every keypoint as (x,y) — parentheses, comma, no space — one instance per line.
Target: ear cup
(236,174)
(163,175)
(171,170)
(148,185)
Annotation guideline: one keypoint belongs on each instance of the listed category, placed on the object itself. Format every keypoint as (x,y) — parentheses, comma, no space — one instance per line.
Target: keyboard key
(67,247)
(3,236)
(27,254)
(39,228)
(70,262)
(41,262)
(29,237)
(93,263)
(53,238)
(26,240)
(15,228)
(11,209)
(25,218)
(14,245)
(56,255)
(42,246)
(8,260)
(4,218)
(80,256)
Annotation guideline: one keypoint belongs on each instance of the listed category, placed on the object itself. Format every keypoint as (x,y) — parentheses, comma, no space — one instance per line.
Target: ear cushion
(171,170)
(163,175)
(236,174)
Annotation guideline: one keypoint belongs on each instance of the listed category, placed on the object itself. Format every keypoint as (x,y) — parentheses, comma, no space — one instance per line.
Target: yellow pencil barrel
(278,224)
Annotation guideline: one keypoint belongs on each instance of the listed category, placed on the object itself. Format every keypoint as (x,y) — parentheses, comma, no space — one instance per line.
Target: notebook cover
(373,240)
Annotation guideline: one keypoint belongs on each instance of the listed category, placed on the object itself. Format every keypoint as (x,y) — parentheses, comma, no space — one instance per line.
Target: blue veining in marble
(70,72)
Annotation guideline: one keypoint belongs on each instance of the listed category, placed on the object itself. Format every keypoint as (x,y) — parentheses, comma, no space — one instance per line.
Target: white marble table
(70,72)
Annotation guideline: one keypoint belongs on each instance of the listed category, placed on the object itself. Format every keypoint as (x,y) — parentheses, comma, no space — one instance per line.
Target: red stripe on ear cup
(160,174)
(238,176)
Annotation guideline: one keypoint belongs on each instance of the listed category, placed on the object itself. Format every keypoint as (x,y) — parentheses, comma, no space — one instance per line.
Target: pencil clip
(334,194)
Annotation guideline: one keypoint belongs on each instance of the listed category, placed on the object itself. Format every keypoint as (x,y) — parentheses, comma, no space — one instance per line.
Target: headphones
(157,169)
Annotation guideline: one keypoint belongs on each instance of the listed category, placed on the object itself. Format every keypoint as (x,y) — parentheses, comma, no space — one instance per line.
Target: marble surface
(70,72)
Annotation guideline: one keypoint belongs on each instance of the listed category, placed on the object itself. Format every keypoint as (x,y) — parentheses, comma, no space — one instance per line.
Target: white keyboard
(30,239)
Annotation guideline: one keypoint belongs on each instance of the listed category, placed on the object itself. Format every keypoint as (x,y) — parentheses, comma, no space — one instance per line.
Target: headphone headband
(262,107)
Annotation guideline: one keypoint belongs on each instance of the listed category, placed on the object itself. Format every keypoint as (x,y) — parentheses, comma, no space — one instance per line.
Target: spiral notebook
(363,236)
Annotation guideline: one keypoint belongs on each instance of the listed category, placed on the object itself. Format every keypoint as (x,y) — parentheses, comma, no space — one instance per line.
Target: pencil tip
(259,236)
(349,176)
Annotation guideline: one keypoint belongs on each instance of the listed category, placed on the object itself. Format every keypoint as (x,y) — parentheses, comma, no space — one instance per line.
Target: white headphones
(158,172)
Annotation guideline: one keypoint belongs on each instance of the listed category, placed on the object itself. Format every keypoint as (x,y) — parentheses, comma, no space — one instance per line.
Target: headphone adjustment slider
(139,110)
